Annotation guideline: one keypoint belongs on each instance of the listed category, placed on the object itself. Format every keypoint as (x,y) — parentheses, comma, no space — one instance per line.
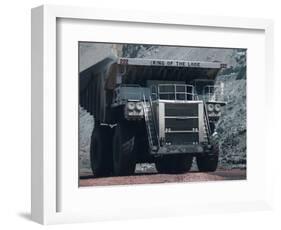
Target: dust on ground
(154,178)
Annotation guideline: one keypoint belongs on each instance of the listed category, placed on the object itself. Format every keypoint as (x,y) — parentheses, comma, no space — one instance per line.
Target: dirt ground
(152,178)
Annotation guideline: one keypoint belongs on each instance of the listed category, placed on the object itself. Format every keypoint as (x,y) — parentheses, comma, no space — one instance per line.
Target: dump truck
(152,111)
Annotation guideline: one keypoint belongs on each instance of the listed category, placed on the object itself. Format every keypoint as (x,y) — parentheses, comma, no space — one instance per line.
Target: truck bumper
(181,149)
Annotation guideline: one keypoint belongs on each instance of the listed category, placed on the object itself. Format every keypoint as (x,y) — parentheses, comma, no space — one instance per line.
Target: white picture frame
(53,200)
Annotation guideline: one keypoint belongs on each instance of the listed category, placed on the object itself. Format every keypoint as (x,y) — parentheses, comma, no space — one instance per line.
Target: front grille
(181,123)
(183,109)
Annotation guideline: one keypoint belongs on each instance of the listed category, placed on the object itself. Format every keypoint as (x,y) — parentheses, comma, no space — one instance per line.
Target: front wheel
(209,163)
(124,157)
(174,164)
(101,151)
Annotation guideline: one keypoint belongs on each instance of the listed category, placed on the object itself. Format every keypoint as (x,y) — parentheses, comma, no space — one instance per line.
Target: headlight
(131,105)
(210,107)
(217,107)
(139,106)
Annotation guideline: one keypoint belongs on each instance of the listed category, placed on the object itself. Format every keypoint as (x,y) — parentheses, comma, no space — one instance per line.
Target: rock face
(91,53)
(86,125)
(231,127)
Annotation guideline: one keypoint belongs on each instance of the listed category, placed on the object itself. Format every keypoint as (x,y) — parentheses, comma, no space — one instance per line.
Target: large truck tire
(124,156)
(209,163)
(174,164)
(101,151)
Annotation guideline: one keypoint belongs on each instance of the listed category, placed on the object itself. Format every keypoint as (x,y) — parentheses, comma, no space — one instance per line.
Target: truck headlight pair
(134,110)
(131,106)
(214,107)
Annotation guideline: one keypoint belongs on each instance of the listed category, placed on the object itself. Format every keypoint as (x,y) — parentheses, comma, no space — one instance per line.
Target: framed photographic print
(130,109)
(151,110)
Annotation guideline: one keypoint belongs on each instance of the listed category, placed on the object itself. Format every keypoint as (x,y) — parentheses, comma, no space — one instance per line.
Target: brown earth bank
(152,178)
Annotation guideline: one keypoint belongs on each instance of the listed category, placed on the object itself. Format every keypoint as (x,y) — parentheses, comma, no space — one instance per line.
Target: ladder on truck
(151,128)
(207,127)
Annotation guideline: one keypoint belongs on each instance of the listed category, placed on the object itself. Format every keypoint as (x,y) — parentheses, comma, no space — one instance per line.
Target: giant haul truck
(152,110)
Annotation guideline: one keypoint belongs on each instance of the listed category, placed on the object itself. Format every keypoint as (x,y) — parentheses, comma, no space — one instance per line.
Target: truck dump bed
(139,70)
(100,78)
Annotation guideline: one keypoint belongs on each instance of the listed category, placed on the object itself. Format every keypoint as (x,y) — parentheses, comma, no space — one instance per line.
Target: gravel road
(151,178)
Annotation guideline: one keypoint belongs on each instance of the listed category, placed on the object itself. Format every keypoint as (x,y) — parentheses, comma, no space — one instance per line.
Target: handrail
(214,92)
(146,119)
(206,118)
(175,93)
(154,92)
(153,120)
(207,121)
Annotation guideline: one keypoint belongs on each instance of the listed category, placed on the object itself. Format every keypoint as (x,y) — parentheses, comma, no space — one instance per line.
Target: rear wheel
(209,163)
(101,151)
(174,164)
(124,157)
